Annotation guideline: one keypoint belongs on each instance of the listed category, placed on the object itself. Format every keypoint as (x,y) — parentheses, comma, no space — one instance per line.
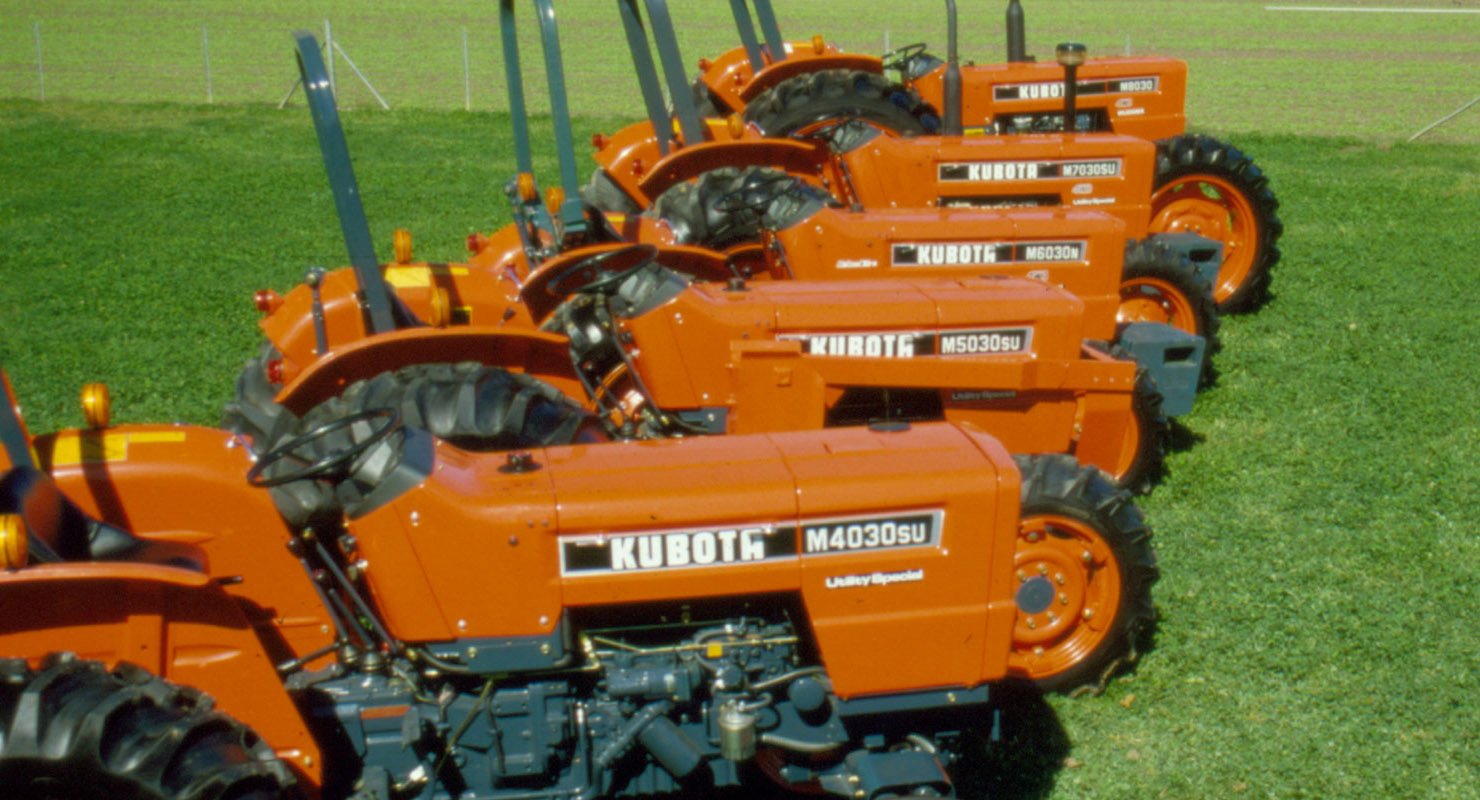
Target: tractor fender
(545,355)
(799,158)
(802,60)
(176,623)
(293,327)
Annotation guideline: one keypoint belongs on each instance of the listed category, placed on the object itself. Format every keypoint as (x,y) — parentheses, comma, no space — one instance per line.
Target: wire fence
(444,54)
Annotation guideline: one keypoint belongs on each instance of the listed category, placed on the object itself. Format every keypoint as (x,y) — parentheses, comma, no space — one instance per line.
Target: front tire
(1085,567)
(1213,189)
(74,730)
(1158,284)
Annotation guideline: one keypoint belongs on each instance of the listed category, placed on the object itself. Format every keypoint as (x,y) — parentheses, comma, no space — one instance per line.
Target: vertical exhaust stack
(951,124)
(1070,56)
(1017,47)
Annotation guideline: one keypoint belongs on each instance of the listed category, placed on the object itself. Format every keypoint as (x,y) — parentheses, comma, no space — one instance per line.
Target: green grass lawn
(1317,533)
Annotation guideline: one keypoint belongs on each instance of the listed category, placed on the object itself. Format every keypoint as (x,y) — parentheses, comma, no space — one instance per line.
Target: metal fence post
(329,56)
(467,75)
(40,66)
(205,46)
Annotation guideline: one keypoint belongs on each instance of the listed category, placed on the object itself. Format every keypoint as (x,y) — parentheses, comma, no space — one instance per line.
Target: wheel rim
(1069,593)
(1130,448)
(1156,300)
(1210,206)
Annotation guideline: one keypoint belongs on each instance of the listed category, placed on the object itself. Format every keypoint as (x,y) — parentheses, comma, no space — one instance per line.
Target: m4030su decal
(875,532)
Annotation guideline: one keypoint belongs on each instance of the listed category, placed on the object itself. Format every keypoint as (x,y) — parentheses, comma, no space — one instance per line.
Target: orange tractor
(1200,184)
(519,610)
(656,353)
(721,185)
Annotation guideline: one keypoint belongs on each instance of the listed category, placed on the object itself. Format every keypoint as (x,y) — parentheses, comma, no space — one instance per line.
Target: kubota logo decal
(1052,90)
(972,254)
(1003,171)
(633,552)
(882,344)
(606,554)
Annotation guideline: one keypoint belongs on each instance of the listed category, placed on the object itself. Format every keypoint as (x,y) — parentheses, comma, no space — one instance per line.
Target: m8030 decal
(972,254)
(1053,90)
(724,546)
(1004,171)
(894,344)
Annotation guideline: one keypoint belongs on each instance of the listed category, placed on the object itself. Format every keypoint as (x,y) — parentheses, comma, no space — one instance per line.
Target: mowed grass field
(1317,528)
(1253,69)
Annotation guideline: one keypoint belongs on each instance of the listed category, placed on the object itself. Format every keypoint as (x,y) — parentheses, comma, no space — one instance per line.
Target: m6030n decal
(1004,171)
(972,254)
(1053,90)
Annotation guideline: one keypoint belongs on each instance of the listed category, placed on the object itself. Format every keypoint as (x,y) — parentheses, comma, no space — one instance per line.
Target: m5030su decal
(1053,90)
(1005,171)
(973,254)
(753,543)
(894,344)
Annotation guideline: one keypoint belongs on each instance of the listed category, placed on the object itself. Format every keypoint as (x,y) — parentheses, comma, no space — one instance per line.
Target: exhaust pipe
(1017,48)
(951,124)
(1070,56)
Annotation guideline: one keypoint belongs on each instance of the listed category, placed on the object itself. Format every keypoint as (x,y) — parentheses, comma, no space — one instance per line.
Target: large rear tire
(1213,189)
(800,105)
(73,730)
(1085,567)
(703,211)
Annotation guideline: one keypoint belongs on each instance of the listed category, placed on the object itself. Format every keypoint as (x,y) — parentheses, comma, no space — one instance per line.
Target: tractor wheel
(1085,567)
(1158,284)
(1145,439)
(255,412)
(73,730)
(704,100)
(803,105)
(471,405)
(604,194)
(1206,187)
(730,206)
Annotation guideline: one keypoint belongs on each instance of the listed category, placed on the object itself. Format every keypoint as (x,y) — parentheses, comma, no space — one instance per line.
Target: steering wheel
(331,462)
(900,57)
(588,268)
(754,196)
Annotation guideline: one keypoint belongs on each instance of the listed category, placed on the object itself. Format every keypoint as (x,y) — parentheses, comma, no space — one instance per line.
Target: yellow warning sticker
(420,276)
(91,448)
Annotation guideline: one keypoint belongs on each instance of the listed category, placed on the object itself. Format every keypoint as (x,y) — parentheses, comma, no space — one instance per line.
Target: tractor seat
(60,531)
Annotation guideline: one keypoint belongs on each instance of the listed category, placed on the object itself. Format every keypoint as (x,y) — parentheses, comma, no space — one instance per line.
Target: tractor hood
(668,521)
